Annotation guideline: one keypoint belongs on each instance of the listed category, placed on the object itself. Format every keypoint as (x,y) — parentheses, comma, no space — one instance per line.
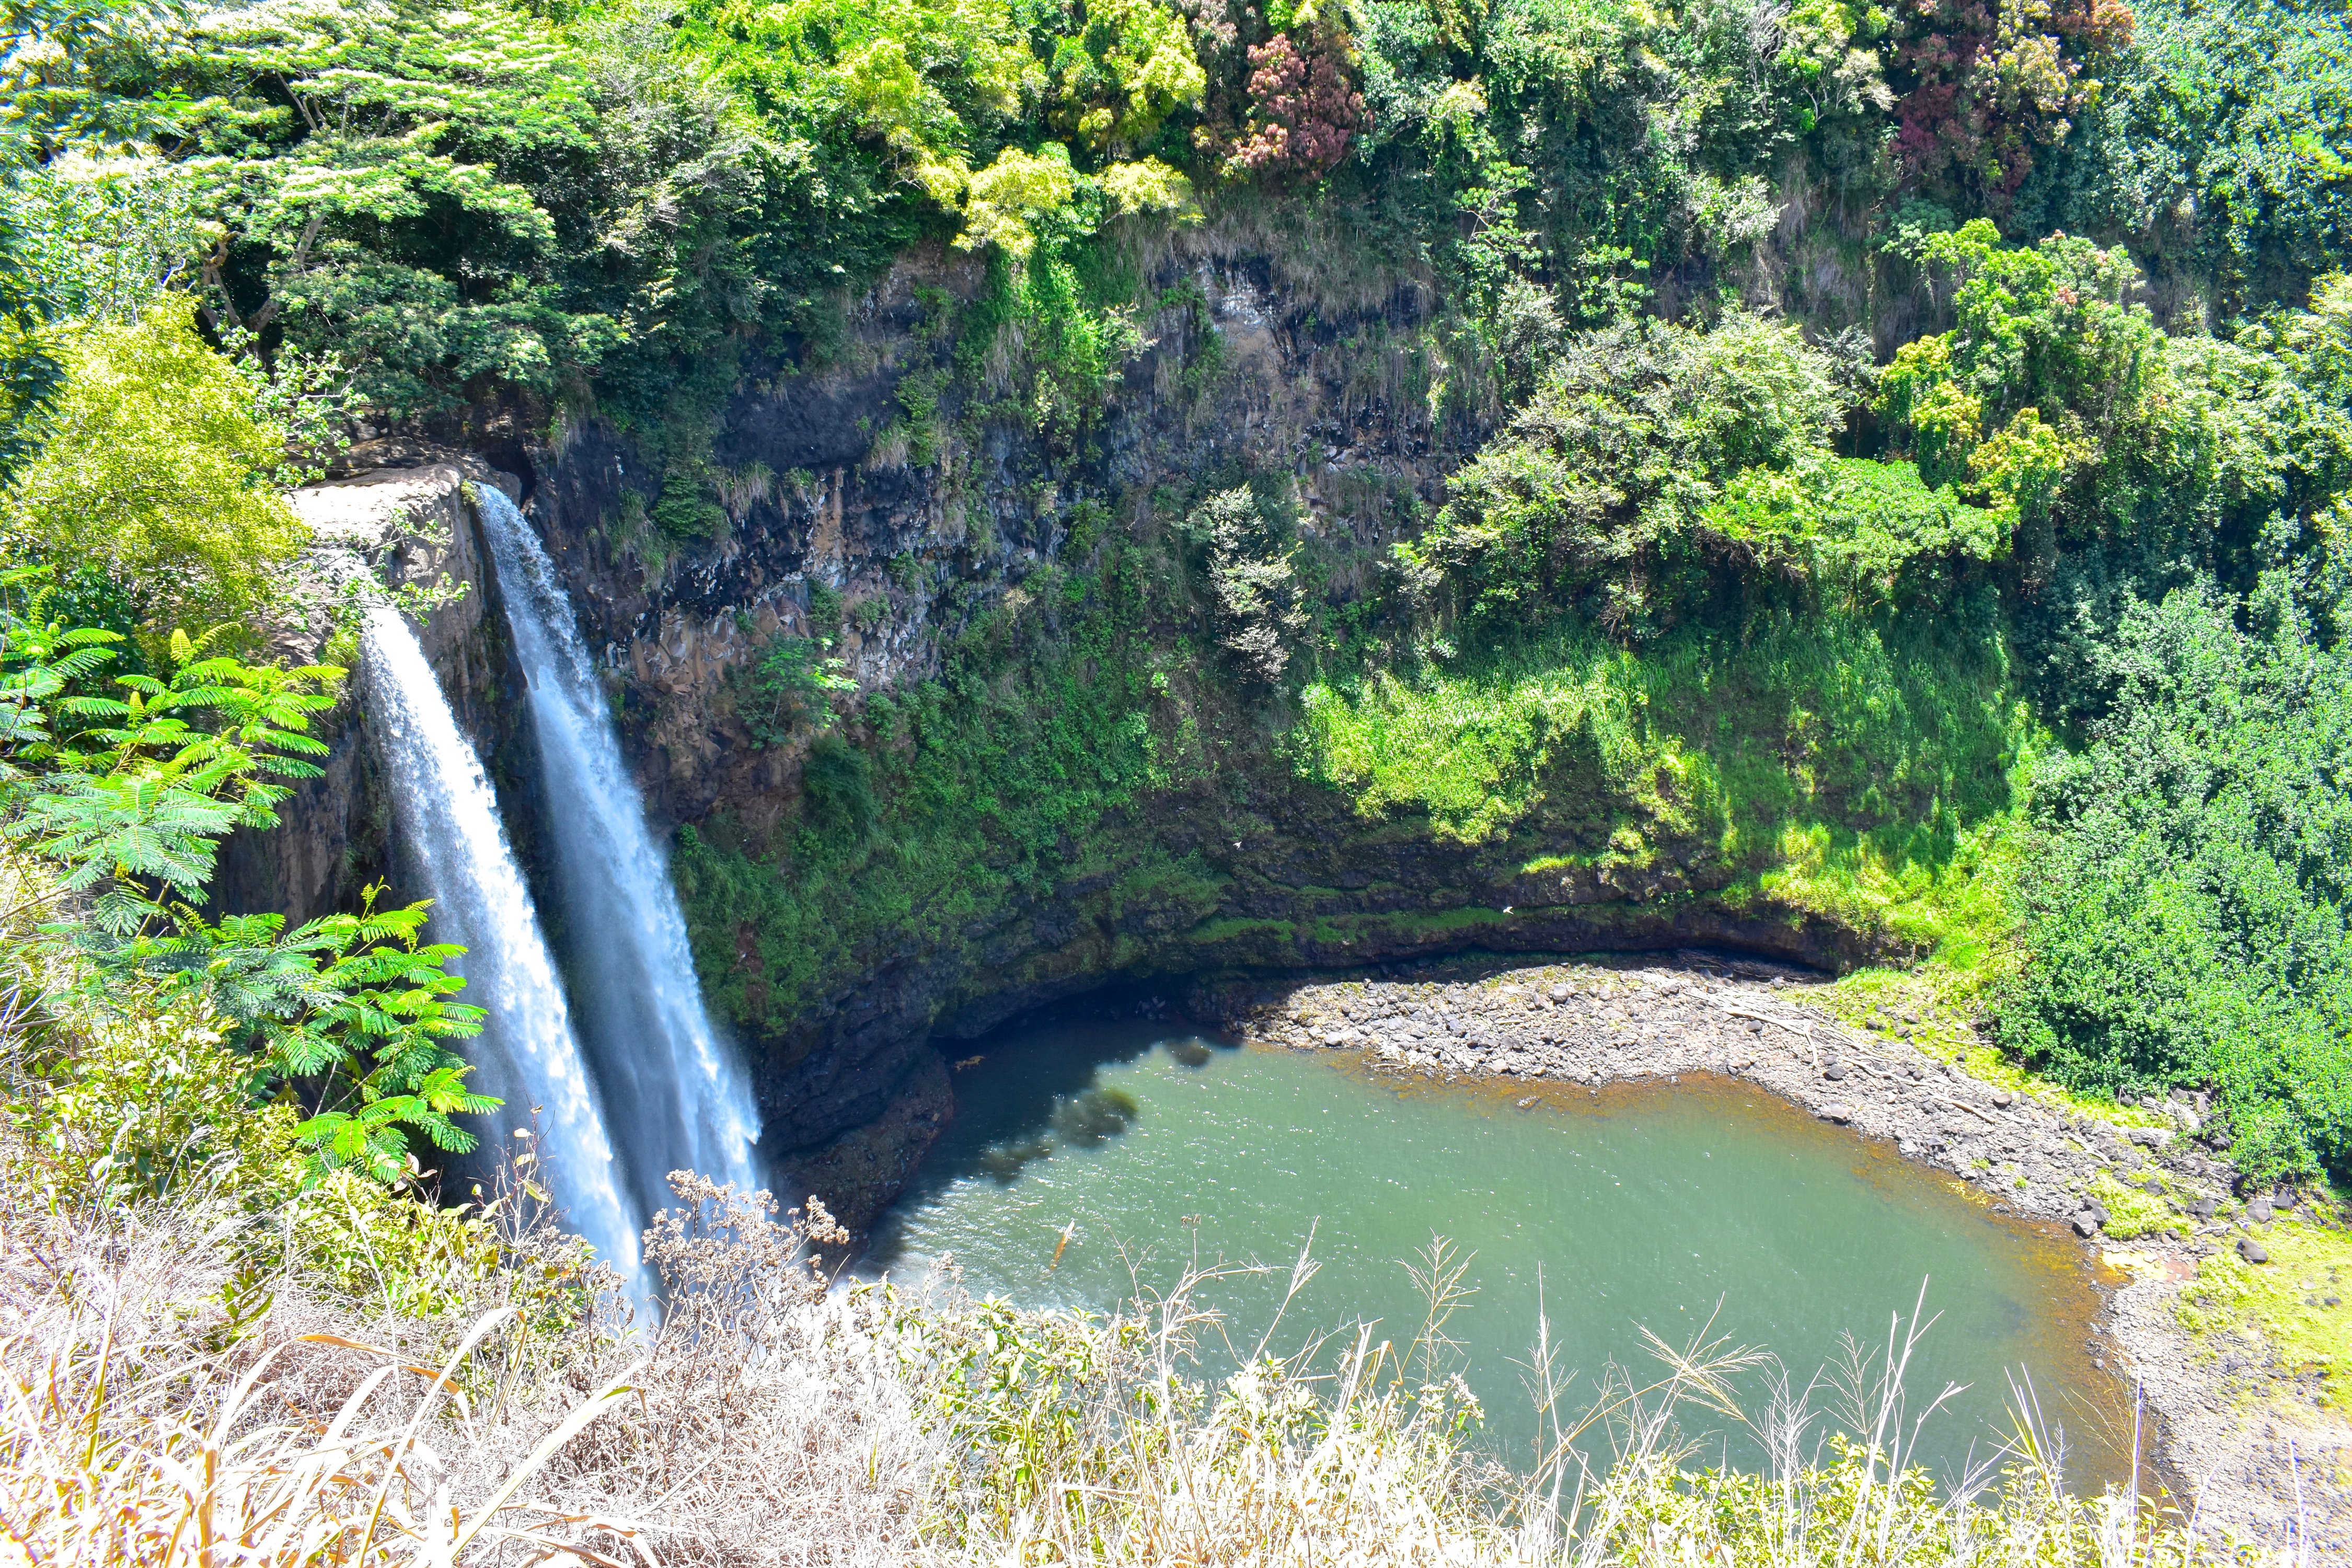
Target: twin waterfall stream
(1097,1154)
(636,1082)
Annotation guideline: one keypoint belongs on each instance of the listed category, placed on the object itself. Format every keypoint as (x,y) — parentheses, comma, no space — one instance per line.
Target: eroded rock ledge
(2227,1427)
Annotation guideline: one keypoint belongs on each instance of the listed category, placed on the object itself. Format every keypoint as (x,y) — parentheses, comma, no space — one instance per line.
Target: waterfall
(526,1053)
(683,1100)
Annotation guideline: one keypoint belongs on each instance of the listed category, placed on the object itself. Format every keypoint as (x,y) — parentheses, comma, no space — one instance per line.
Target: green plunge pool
(1151,1148)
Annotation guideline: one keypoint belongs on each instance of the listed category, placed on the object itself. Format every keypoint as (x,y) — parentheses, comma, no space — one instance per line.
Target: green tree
(159,469)
(2216,150)
(2186,902)
(790,689)
(1595,494)
(377,172)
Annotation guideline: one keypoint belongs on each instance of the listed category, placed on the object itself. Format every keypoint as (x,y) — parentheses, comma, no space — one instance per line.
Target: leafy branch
(132,805)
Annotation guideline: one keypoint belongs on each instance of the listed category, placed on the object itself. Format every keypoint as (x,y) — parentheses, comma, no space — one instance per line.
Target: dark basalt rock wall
(403,518)
(818,487)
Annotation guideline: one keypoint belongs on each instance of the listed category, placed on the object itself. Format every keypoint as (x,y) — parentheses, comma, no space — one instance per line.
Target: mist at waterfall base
(1093,1157)
(451,835)
(675,1095)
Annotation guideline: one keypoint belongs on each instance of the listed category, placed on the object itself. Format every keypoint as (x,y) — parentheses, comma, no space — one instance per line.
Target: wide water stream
(1151,1148)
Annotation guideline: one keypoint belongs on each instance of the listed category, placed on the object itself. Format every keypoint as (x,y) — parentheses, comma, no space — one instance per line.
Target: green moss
(1170,882)
(2131,1213)
(1210,934)
(1447,921)
(1859,768)
(2282,1305)
(1434,929)
(962,797)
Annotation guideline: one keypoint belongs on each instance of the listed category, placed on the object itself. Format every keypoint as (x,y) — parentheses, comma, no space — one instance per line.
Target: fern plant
(131,803)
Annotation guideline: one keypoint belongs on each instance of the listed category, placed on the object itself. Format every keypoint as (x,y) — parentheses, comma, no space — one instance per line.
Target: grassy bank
(1853,764)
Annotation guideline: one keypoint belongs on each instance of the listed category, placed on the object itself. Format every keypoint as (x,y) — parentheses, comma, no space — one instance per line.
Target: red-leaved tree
(1304,106)
(1985,83)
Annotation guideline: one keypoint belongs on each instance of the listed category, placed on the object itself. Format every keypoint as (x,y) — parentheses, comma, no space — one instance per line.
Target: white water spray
(526,1053)
(681,1097)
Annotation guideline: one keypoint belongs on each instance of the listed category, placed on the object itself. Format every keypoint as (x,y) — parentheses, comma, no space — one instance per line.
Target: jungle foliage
(2186,912)
(125,797)
(1897,455)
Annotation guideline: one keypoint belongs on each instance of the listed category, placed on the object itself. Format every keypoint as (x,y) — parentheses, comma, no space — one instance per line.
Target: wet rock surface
(2236,1437)
(408,525)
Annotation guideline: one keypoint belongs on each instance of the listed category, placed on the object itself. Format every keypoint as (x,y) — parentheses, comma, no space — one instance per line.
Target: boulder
(2253,1251)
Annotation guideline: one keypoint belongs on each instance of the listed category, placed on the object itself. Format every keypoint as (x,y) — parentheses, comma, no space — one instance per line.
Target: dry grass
(1367,1464)
(165,1408)
(149,1420)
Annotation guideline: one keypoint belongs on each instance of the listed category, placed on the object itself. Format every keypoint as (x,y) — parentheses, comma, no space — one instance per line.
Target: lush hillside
(1325,483)
(1871,448)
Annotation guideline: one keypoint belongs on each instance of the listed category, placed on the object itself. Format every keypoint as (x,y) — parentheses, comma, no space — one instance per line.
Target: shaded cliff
(1061,766)
(402,520)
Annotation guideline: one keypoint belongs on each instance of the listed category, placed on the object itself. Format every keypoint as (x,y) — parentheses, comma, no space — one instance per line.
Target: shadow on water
(1033,1086)
(1096,1152)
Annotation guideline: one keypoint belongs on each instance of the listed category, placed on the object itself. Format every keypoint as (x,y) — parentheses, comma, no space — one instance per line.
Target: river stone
(1560,993)
(1834,1072)
(2259,1211)
(2148,1137)
(2003,1098)
(2086,1227)
(1836,1110)
(2253,1251)
(2203,1208)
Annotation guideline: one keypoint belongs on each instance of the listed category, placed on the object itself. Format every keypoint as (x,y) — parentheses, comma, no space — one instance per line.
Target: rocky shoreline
(2241,1439)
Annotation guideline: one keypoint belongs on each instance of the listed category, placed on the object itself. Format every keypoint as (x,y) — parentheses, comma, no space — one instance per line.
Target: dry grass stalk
(768,1419)
(139,1427)
(772,1421)
(142,1421)
(1361,1466)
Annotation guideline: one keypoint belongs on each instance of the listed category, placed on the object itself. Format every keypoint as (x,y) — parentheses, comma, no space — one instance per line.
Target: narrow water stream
(676,1097)
(1657,1206)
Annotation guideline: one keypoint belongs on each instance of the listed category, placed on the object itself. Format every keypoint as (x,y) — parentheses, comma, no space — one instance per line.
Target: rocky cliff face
(405,522)
(878,484)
